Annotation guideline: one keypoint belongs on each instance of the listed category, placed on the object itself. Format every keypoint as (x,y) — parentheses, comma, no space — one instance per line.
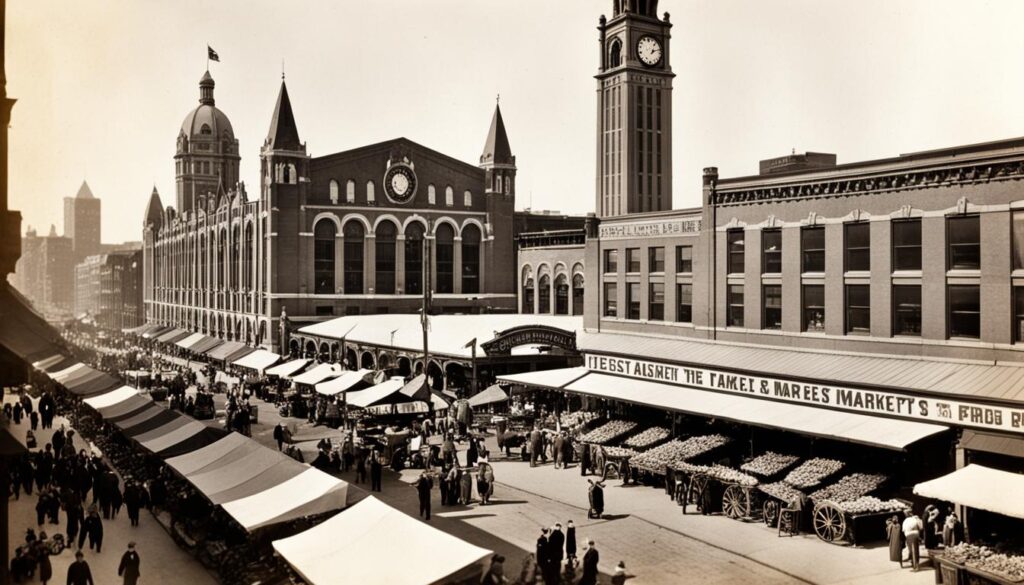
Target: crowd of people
(936,530)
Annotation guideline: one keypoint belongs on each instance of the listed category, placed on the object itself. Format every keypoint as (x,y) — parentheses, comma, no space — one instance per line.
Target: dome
(206,121)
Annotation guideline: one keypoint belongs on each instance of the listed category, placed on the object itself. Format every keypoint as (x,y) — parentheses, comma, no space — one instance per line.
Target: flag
(211,54)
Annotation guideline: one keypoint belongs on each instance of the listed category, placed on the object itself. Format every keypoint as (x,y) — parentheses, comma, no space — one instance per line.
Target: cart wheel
(697,486)
(735,502)
(770,512)
(829,522)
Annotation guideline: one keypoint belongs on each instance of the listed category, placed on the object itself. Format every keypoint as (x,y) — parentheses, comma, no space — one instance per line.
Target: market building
(108,289)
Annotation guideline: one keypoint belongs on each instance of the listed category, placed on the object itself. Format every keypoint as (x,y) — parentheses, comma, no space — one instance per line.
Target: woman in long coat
(466,485)
(894,532)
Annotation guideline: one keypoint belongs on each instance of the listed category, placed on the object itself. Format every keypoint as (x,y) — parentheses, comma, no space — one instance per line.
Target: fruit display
(655,460)
(811,472)
(850,487)
(872,505)
(1009,567)
(769,464)
(570,421)
(695,446)
(692,468)
(648,438)
(781,491)
(730,475)
(618,452)
(609,432)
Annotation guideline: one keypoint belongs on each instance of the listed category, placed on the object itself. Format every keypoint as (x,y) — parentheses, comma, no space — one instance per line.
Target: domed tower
(207,154)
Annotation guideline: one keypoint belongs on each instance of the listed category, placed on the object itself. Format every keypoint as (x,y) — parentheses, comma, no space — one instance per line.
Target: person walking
(133,502)
(33,420)
(590,560)
(894,532)
(78,571)
(912,528)
(279,436)
(536,444)
(93,528)
(376,469)
(423,486)
(496,572)
(361,467)
(556,550)
(559,447)
(543,556)
(466,487)
(45,566)
(619,578)
(129,567)
(570,543)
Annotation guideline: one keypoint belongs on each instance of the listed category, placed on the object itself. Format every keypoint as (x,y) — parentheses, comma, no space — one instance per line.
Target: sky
(103,86)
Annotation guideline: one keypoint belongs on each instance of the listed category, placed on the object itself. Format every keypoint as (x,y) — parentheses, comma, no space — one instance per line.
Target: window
(964,237)
(812,244)
(906,310)
(353,252)
(386,235)
(497,182)
(611,299)
(906,244)
(449,196)
(350,191)
(814,308)
(335,192)
(684,259)
(561,295)
(371,196)
(656,301)
(734,313)
(414,259)
(323,257)
(964,311)
(324,311)
(632,259)
(771,251)
(656,259)
(1018,314)
(528,296)
(471,259)
(1018,240)
(611,261)
(577,294)
(431,195)
(444,246)
(633,300)
(205,130)
(684,303)
(773,306)
(858,246)
(467,199)
(614,54)
(734,245)
(858,308)
(544,306)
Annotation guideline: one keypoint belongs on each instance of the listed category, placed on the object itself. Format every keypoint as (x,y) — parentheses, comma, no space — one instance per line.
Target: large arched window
(350,191)
(614,53)
(386,234)
(431,194)
(323,257)
(577,294)
(444,242)
(544,295)
(561,295)
(335,192)
(354,233)
(371,194)
(471,259)
(528,295)
(449,196)
(414,259)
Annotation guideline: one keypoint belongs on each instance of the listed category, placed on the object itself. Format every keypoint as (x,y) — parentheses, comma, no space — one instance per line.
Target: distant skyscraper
(45,272)
(82,222)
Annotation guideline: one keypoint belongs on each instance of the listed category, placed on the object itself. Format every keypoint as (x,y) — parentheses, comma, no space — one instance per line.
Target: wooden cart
(832,523)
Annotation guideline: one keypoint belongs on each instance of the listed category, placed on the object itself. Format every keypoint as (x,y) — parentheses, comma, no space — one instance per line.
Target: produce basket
(776,496)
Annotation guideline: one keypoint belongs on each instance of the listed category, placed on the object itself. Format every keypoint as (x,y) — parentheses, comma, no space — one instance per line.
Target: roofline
(654,214)
(377,145)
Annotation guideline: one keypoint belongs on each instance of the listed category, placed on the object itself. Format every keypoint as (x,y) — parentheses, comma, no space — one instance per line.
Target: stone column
(369,263)
(457,265)
(400,264)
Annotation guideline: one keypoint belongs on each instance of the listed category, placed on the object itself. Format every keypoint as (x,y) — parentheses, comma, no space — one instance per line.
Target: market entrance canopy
(344,382)
(980,487)
(189,341)
(490,395)
(350,543)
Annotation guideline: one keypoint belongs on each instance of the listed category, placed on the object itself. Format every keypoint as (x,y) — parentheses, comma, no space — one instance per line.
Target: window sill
(973,273)
(857,274)
(906,274)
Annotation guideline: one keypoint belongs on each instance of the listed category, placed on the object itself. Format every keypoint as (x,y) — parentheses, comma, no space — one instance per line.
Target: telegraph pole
(425,323)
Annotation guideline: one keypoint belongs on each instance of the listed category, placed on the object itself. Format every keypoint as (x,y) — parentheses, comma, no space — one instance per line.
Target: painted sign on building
(650,229)
(504,341)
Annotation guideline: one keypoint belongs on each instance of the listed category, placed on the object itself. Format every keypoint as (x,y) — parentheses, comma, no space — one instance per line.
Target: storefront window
(734,316)
(611,261)
(528,296)
(771,251)
(964,237)
(632,259)
(544,295)
(386,233)
(444,246)
(611,299)
(773,306)
(577,294)
(684,259)
(814,308)
(858,246)
(353,253)
(906,244)
(812,244)
(656,302)
(735,243)
(906,306)
(964,311)
(858,308)
(684,303)
(656,259)
(633,300)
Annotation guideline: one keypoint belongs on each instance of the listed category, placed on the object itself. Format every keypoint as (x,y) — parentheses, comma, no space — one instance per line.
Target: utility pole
(425,323)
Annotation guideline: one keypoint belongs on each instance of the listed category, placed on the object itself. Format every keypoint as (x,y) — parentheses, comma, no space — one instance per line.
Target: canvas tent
(344,382)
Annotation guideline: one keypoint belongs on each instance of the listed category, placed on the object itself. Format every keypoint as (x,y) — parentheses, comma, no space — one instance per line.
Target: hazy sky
(103,85)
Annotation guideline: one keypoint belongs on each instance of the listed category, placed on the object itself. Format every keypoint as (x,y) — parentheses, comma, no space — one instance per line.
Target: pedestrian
(361,467)
(376,469)
(454,475)
(590,560)
(952,529)
(496,572)
(559,447)
(43,505)
(45,567)
(584,459)
(894,533)
(93,528)
(58,442)
(17,413)
(472,453)
(912,528)
(129,567)
(279,436)
(78,571)
(116,499)
(33,419)
(570,542)
(596,496)
(466,487)
(932,527)
(556,550)
(133,502)
(536,444)
(423,486)
(619,578)
(543,556)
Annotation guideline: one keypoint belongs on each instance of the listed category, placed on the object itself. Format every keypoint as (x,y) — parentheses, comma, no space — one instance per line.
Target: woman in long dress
(894,532)
(466,485)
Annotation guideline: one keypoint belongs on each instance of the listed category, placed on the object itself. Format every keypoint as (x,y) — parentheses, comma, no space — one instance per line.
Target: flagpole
(424,321)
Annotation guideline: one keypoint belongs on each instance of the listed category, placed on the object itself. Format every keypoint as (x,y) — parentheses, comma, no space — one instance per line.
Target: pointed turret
(154,210)
(84,192)
(496,148)
(283,134)
(206,85)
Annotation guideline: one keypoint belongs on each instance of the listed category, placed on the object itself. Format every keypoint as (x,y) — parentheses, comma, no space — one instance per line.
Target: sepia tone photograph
(495,292)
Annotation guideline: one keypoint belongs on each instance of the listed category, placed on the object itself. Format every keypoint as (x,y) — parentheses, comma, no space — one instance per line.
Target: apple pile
(651,436)
(1009,567)
(618,452)
(850,487)
(657,458)
(699,445)
(781,491)
(730,475)
(872,505)
(769,464)
(608,432)
(811,472)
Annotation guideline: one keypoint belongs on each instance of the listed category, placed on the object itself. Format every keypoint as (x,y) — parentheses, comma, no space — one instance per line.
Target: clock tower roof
(283,134)
(496,148)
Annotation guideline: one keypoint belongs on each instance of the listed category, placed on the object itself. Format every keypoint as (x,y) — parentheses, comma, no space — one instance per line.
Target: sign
(503,342)
(649,229)
(872,402)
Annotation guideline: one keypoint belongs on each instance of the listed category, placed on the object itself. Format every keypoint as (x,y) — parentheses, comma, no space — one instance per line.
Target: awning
(111,398)
(189,468)
(344,382)
(197,441)
(205,344)
(140,331)
(229,351)
(23,332)
(200,458)
(150,419)
(156,331)
(318,374)
(490,395)
(237,471)
(45,364)
(189,341)
(308,493)
(376,394)
(556,379)
(167,440)
(172,335)
(258,360)
(980,487)
(134,330)
(125,408)
(285,469)
(354,540)
(992,443)
(60,375)
(288,368)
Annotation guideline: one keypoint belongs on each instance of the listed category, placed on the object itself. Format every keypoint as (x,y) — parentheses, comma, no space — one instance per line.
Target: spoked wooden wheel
(735,502)
(829,522)
(697,486)
(770,512)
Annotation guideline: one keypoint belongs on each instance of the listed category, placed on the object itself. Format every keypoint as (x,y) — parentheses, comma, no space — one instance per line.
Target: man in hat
(556,544)
(590,560)
(78,571)
(129,567)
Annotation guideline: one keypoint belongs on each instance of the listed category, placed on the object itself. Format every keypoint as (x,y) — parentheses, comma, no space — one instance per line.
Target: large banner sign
(504,341)
(884,402)
(649,229)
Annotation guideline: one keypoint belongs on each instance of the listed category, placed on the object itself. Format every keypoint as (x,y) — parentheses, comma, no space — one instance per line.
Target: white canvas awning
(191,462)
(189,341)
(258,360)
(318,374)
(310,492)
(66,373)
(376,394)
(490,395)
(172,438)
(546,378)
(288,368)
(348,548)
(111,398)
(980,487)
(344,382)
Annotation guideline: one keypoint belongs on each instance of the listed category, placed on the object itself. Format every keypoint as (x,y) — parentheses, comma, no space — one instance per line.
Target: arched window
(414,259)
(561,295)
(323,257)
(350,191)
(444,242)
(508,185)
(615,53)
(545,295)
(449,196)
(353,258)
(335,192)
(202,261)
(471,259)
(386,233)
(370,195)
(205,130)
(467,199)
(431,195)
(221,243)
(528,295)
(249,260)
(577,294)
(235,254)
(286,176)
(497,183)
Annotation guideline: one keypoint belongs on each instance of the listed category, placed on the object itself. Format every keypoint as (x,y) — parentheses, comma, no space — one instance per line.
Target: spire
(496,149)
(154,210)
(53,231)
(283,133)
(206,89)
(84,192)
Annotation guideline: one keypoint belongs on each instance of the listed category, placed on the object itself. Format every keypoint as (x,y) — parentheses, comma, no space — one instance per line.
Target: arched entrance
(293,348)
(367,362)
(383,362)
(404,366)
(325,352)
(351,361)
(455,375)
(436,376)
(310,350)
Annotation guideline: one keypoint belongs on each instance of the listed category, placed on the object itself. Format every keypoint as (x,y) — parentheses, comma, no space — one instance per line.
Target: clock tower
(634,105)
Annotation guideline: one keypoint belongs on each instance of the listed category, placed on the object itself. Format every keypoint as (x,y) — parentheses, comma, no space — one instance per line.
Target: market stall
(316,375)
(287,369)
(257,361)
(346,382)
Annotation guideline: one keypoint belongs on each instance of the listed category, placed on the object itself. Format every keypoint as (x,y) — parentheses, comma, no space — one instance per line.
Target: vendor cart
(833,523)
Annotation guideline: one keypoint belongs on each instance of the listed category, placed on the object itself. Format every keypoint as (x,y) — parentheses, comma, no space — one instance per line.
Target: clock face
(400,183)
(649,51)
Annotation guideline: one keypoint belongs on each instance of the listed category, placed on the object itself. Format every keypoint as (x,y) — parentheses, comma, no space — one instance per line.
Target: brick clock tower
(634,110)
